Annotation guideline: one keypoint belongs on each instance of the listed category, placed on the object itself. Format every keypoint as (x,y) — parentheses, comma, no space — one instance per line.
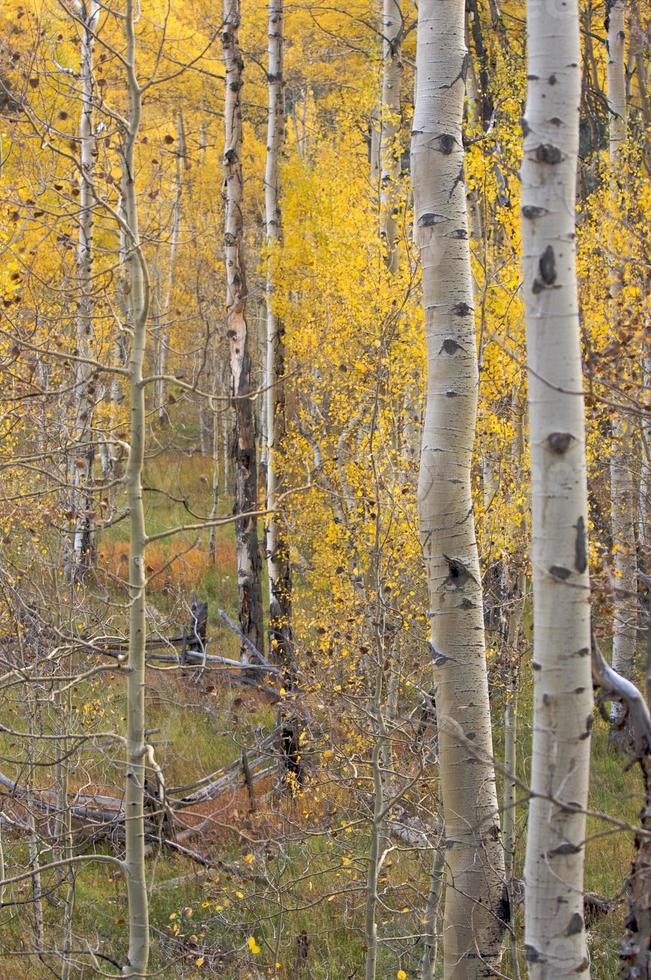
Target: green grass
(202,724)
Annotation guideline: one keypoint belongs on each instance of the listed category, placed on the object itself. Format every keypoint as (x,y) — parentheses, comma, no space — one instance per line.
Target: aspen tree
(554,926)
(163,339)
(622,493)
(82,472)
(472,930)
(390,127)
(138,956)
(246,469)
(277,546)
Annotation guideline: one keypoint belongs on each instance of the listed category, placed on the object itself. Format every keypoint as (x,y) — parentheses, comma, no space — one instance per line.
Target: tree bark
(621,474)
(277,545)
(83,550)
(138,955)
(163,337)
(246,469)
(472,927)
(390,128)
(554,925)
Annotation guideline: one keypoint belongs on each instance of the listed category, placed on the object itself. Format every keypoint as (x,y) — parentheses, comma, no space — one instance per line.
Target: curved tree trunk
(554,925)
(246,468)
(472,927)
(621,473)
(278,564)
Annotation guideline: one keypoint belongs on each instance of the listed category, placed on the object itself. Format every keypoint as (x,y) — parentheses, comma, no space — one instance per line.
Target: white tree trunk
(246,469)
(83,549)
(554,925)
(472,931)
(138,955)
(389,150)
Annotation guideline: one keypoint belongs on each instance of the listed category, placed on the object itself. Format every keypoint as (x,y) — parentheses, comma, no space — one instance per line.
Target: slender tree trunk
(514,594)
(83,550)
(621,474)
(430,933)
(278,564)
(554,925)
(246,470)
(163,337)
(475,860)
(138,955)
(644,496)
(389,150)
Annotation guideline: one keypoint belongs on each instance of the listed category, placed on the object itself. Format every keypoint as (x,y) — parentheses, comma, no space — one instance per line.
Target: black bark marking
(460,233)
(552,79)
(580,548)
(503,910)
(559,572)
(438,659)
(428,220)
(547,266)
(564,850)
(533,211)
(547,153)
(532,955)
(451,394)
(446,143)
(525,126)
(536,665)
(450,346)
(559,442)
(458,571)
(462,309)
(575,925)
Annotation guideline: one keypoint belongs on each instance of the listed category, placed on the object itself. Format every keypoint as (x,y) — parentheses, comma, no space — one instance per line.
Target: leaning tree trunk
(554,925)
(83,549)
(390,122)
(280,579)
(138,955)
(621,474)
(473,923)
(246,470)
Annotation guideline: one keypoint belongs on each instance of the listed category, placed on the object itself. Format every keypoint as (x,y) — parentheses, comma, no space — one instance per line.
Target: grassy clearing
(296,888)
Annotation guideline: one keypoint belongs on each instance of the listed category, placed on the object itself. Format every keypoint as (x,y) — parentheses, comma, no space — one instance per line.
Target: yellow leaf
(253,946)
(248,859)
(200,961)
(401,975)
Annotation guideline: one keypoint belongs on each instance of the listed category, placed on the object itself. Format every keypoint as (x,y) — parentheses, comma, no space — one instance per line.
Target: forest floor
(285,895)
